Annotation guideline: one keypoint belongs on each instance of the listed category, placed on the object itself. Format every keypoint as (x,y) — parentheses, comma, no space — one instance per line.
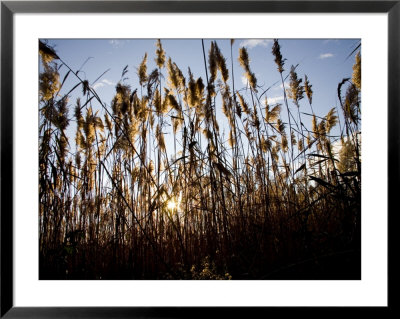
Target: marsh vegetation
(264,198)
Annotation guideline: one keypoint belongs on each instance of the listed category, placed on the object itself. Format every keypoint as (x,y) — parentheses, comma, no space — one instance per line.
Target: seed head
(276,51)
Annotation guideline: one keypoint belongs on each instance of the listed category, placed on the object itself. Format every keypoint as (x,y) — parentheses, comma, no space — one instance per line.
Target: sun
(172,204)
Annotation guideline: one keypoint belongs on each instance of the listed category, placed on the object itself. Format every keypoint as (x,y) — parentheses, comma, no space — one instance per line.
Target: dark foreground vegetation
(274,199)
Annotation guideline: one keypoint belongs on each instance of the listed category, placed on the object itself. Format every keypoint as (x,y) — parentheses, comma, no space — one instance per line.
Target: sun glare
(172,204)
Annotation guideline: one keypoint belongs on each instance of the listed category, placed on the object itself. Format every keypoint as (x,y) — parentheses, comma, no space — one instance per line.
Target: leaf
(191,145)
(69,92)
(300,168)
(318,155)
(68,250)
(124,71)
(356,48)
(101,76)
(87,102)
(54,173)
(339,90)
(349,174)
(176,117)
(321,182)
(319,162)
(322,156)
(65,77)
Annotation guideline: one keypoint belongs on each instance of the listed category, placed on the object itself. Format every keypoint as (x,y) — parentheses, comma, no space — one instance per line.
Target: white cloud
(326,55)
(117,43)
(103,82)
(276,99)
(330,41)
(244,80)
(97,85)
(255,42)
(280,86)
(108,82)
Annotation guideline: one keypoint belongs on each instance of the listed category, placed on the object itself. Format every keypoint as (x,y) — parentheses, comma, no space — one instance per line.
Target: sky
(325,62)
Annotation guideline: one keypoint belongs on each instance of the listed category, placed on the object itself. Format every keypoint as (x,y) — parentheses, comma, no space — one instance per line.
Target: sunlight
(172,204)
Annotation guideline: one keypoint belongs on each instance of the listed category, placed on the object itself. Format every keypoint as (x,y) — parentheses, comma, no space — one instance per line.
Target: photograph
(199,159)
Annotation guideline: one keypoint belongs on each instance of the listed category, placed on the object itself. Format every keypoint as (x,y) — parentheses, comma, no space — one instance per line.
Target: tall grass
(118,203)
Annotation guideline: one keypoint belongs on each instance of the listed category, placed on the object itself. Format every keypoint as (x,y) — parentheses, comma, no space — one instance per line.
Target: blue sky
(324,61)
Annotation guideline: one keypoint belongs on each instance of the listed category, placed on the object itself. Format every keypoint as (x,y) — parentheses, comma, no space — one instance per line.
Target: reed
(118,202)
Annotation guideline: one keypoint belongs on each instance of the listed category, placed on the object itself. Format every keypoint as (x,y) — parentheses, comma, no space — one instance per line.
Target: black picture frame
(9,8)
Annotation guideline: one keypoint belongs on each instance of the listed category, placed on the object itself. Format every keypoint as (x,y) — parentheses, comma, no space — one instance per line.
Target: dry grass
(121,204)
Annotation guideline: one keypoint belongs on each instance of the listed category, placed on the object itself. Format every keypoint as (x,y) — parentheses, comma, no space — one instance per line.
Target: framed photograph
(189,158)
